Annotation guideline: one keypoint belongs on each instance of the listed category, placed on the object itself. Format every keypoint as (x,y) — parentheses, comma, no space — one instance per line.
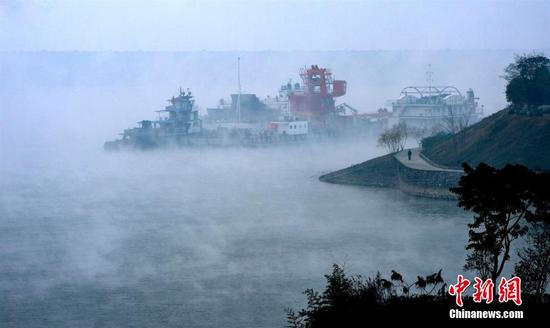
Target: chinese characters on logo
(508,290)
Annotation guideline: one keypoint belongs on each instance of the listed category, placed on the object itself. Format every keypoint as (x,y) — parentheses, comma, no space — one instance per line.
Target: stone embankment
(417,176)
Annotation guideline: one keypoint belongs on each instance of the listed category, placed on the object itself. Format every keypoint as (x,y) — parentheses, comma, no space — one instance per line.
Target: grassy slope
(497,140)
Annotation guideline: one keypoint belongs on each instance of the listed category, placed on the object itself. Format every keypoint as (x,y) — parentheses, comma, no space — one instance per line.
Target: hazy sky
(272,25)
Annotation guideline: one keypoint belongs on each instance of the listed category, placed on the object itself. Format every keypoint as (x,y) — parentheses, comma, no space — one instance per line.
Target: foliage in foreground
(353,300)
(534,264)
(505,202)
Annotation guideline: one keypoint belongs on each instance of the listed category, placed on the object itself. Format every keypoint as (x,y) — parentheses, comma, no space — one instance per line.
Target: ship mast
(238,114)
(429,79)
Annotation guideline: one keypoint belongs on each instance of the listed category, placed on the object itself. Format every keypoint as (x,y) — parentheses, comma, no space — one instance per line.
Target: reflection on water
(220,237)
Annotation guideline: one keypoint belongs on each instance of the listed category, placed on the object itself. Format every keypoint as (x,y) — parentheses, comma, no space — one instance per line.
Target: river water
(200,238)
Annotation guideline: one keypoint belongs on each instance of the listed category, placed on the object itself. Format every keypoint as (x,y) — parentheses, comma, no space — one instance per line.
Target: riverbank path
(417,162)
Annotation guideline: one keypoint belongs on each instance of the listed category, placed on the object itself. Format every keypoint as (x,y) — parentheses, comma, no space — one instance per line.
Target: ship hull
(203,141)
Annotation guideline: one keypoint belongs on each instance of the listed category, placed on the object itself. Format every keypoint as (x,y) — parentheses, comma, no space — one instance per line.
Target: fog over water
(200,237)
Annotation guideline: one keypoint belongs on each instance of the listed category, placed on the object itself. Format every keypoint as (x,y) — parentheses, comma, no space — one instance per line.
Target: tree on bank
(455,121)
(528,83)
(504,202)
(534,264)
(394,139)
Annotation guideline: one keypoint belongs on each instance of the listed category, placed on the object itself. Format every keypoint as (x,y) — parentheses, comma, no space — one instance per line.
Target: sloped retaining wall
(387,171)
(433,184)
(378,172)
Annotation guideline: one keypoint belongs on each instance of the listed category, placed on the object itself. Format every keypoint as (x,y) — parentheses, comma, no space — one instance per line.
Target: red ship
(315,100)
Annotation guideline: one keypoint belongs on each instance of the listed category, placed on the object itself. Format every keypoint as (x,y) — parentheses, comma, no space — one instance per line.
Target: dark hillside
(499,139)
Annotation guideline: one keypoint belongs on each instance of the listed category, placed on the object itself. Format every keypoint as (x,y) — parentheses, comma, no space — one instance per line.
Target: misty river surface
(200,238)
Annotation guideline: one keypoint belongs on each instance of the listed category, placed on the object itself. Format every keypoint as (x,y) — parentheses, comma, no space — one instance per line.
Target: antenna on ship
(429,79)
(429,76)
(239,95)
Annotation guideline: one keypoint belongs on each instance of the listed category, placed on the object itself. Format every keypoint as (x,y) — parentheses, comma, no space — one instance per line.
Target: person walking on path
(409,153)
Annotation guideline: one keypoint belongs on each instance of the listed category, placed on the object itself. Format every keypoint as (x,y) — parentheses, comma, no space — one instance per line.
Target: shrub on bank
(355,301)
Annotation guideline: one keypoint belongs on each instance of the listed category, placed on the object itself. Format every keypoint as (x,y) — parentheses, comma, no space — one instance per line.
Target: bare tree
(393,139)
(455,121)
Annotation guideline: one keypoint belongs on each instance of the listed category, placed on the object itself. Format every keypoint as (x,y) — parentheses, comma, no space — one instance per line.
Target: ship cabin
(289,128)
(183,117)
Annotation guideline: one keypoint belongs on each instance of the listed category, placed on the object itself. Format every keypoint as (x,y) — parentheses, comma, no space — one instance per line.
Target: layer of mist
(87,96)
